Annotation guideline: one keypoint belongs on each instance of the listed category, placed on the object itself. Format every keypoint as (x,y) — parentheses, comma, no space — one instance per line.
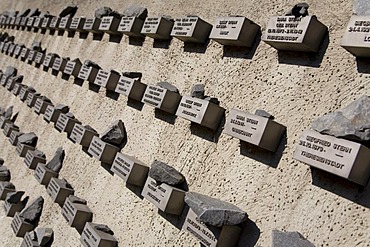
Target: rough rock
(106,11)
(28,139)
(53,55)
(300,9)
(197,91)
(115,134)
(163,173)
(291,239)
(38,153)
(90,63)
(44,235)
(75,199)
(46,99)
(133,75)
(10,39)
(14,197)
(212,100)
(18,78)
(36,45)
(70,115)
(88,127)
(1,161)
(10,71)
(23,13)
(9,112)
(34,12)
(361,7)
(136,11)
(8,185)
(69,11)
(104,228)
(56,163)
(31,89)
(3,36)
(263,113)
(4,173)
(66,184)
(213,211)
(14,117)
(351,122)
(5,13)
(32,213)
(168,86)
(45,14)
(62,108)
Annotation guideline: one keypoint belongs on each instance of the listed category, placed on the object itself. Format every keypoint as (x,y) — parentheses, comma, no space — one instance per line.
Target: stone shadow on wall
(135,104)
(135,189)
(250,234)
(137,41)
(78,82)
(115,38)
(207,133)
(71,34)
(98,36)
(363,65)
(112,95)
(93,87)
(65,76)
(164,116)
(176,220)
(264,156)
(162,43)
(305,58)
(83,35)
(341,187)
(196,47)
(242,52)
(61,32)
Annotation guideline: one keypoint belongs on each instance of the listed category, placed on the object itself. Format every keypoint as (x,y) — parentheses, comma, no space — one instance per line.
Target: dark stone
(1,161)
(69,11)
(28,139)
(136,11)
(44,236)
(8,185)
(4,36)
(213,211)
(53,55)
(351,123)
(56,163)
(133,75)
(90,63)
(46,99)
(10,71)
(197,91)
(45,14)
(168,86)
(299,10)
(14,197)
(104,228)
(18,78)
(13,13)
(24,13)
(212,100)
(291,239)
(62,108)
(163,173)
(31,89)
(263,113)
(32,213)
(36,45)
(14,117)
(38,153)
(88,127)
(10,39)
(106,11)
(70,115)
(66,184)
(115,134)
(8,113)
(75,199)
(34,12)
(4,173)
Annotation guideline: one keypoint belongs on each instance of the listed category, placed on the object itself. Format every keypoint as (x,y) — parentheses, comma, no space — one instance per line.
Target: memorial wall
(238,123)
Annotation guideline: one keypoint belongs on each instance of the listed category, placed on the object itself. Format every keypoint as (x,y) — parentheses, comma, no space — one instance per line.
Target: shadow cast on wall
(242,52)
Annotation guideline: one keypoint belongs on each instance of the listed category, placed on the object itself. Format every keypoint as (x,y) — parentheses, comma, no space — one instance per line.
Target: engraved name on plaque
(41,105)
(130,87)
(161,98)
(76,214)
(58,191)
(201,112)
(294,34)
(157,27)
(356,38)
(165,197)
(110,24)
(64,23)
(102,151)
(77,24)
(8,128)
(39,57)
(46,22)
(338,156)
(18,50)
(24,53)
(88,73)
(20,227)
(32,161)
(130,169)
(92,25)
(22,149)
(191,29)
(57,63)
(43,174)
(82,136)
(73,68)
(14,137)
(131,26)
(257,130)
(54,23)
(4,191)
(30,22)
(92,237)
(37,23)
(49,60)
(107,79)
(65,123)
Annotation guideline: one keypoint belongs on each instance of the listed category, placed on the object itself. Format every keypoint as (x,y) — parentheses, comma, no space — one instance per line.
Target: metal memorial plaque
(82,136)
(31,98)
(6,47)
(39,57)
(28,242)
(85,72)
(91,237)
(109,24)
(4,191)
(130,169)
(11,49)
(20,227)
(14,137)
(61,123)
(30,22)
(200,111)
(167,198)
(102,78)
(23,21)
(294,34)
(92,25)
(130,87)
(257,130)
(41,105)
(22,149)
(32,161)
(238,31)
(356,38)
(46,22)
(102,151)
(37,23)
(43,174)
(4,80)
(49,60)
(191,29)
(54,23)
(131,26)
(9,128)
(11,208)
(10,84)
(338,156)
(58,191)
(24,53)
(106,79)
(72,68)
(76,214)
(77,23)
(17,21)
(17,50)
(49,111)
(64,23)
(154,96)
(57,63)
(23,93)
(157,27)
(4,121)
(2,43)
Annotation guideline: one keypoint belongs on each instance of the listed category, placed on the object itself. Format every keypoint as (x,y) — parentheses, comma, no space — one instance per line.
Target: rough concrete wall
(276,191)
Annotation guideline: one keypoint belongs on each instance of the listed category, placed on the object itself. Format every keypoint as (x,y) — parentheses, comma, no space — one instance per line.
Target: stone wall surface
(276,191)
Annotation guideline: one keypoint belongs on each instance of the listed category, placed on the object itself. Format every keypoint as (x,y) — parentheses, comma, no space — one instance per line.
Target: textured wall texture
(276,191)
